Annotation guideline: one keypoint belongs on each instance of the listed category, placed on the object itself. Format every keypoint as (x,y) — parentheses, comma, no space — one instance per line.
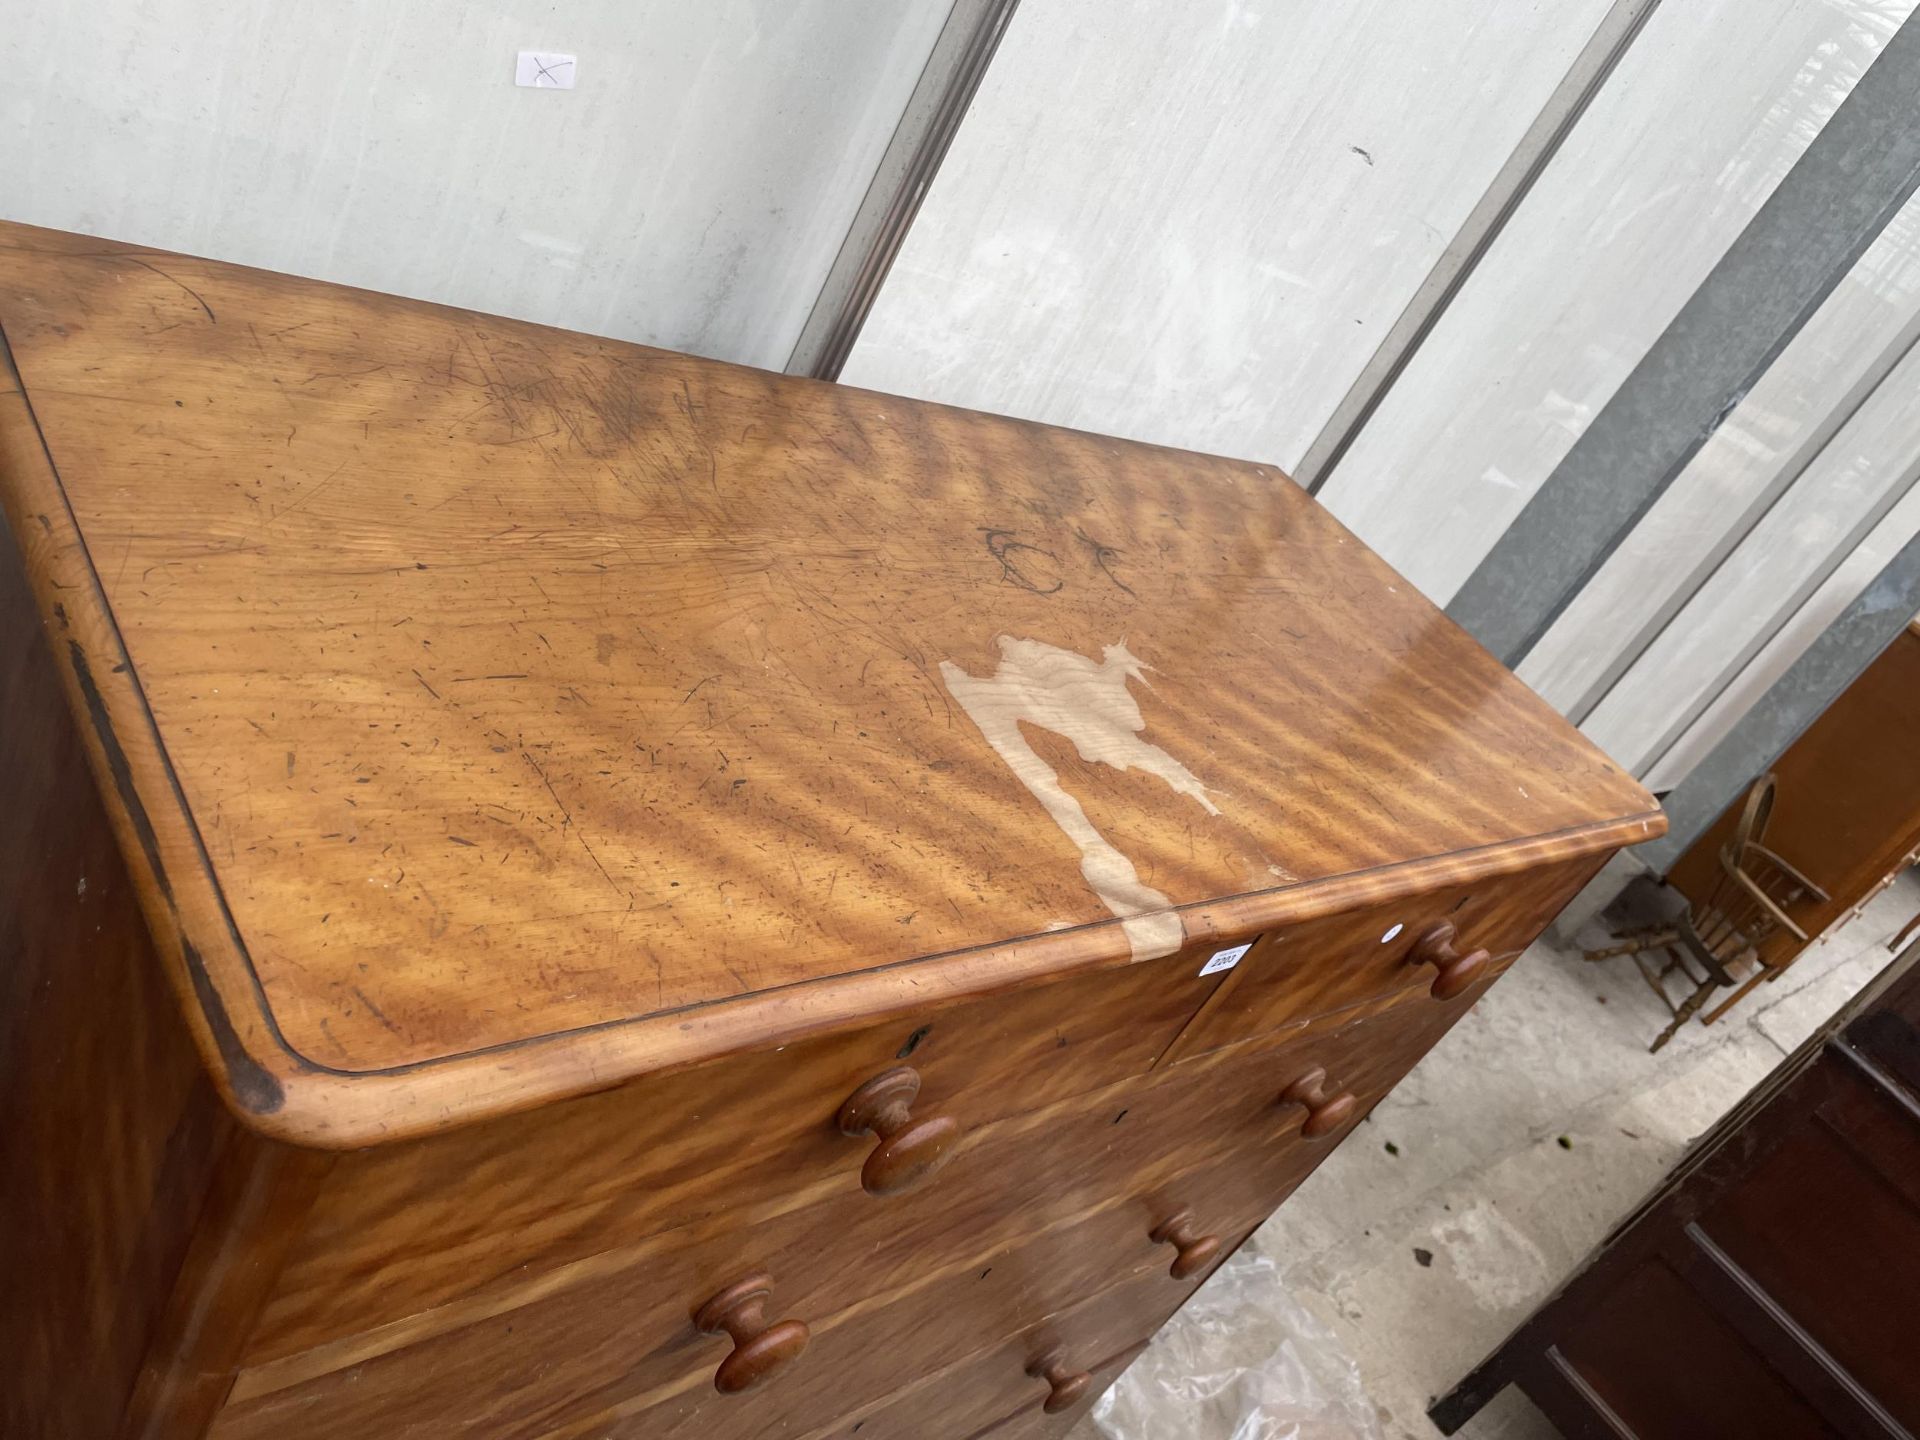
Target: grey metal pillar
(1853,178)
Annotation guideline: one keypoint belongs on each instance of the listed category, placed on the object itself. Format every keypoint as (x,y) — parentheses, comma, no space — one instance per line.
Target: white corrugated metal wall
(1191,224)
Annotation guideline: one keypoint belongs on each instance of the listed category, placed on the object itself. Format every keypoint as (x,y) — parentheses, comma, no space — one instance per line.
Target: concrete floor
(1512,1148)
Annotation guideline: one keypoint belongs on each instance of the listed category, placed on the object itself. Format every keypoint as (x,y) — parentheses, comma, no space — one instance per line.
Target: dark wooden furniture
(556,889)
(1848,803)
(1771,1285)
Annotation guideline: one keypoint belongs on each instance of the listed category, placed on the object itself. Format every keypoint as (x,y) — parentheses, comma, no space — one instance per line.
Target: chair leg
(1657,978)
(1634,941)
(1685,1012)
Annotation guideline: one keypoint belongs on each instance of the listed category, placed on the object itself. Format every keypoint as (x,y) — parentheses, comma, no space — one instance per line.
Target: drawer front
(1035,1212)
(1032,1418)
(624,1342)
(403,1230)
(987,1397)
(980,1395)
(1256,1119)
(1329,965)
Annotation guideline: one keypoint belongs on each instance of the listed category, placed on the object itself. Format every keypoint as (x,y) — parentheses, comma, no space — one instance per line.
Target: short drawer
(1375,954)
(1033,1418)
(406,1229)
(1257,1118)
(993,1390)
(886,1309)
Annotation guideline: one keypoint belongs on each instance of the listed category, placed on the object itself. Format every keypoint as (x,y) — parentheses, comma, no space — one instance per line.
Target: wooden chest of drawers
(554,889)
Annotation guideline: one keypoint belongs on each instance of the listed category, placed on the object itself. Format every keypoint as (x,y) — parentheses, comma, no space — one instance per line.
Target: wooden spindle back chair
(1720,942)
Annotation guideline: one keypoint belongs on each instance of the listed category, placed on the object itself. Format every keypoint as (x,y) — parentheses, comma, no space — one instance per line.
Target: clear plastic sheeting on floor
(1244,1360)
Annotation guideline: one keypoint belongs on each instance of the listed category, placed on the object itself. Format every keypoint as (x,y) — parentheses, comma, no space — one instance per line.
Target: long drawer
(407,1228)
(625,1342)
(999,1387)
(1217,1142)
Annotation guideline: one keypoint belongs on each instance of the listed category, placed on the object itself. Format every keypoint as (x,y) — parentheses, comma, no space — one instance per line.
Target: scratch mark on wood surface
(373,1009)
(198,298)
(571,825)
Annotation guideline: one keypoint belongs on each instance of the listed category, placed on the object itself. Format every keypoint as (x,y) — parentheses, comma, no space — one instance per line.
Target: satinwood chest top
(539,709)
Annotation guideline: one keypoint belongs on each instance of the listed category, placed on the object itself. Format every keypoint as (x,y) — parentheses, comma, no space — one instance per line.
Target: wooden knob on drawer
(1192,1252)
(909,1150)
(1064,1387)
(1455,971)
(1325,1113)
(759,1349)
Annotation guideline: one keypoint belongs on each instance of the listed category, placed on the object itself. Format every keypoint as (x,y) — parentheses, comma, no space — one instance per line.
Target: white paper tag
(543,70)
(1225,959)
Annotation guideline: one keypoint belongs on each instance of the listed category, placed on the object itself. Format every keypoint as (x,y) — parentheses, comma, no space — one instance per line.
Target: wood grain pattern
(407,1228)
(514,712)
(254,1207)
(558,780)
(943,1404)
(626,1343)
(1212,1138)
(1033,1419)
(1828,1227)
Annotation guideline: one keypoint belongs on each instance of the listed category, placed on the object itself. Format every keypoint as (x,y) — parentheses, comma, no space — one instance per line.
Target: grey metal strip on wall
(954,69)
(1749,519)
(1852,180)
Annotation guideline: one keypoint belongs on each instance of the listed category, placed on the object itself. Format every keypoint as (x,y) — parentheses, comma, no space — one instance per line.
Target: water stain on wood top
(517,682)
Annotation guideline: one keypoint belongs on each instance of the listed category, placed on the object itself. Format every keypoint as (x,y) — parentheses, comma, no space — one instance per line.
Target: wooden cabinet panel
(1624,1349)
(140,1226)
(1847,804)
(1237,1099)
(1373,954)
(1767,1287)
(1216,1145)
(1796,1223)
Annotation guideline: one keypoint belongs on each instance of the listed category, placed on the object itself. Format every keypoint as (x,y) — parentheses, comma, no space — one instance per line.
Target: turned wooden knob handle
(909,1150)
(1064,1386)
(1455,971)
(1192,1252)
(759,1349)
(1325,1113)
